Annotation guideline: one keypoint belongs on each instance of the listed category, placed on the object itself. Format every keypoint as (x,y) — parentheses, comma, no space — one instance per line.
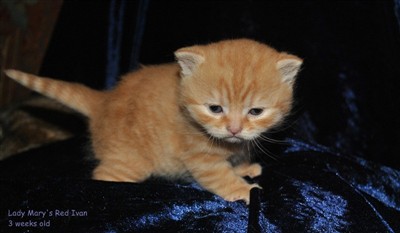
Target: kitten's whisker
(210,138)
(260,157)
(246,146)
(271,140)
(265,150)
(248,149)
(284,126)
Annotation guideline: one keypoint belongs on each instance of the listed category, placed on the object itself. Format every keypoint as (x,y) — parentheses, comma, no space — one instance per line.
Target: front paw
(250,170)
(241,193)
(255,170)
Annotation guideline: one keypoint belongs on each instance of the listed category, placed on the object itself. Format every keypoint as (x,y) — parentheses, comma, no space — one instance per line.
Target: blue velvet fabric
(310,189)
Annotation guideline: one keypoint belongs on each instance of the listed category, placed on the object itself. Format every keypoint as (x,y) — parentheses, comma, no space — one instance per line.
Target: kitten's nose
(234,130)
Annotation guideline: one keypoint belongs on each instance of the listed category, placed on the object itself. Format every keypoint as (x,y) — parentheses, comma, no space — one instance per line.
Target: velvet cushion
(309,189)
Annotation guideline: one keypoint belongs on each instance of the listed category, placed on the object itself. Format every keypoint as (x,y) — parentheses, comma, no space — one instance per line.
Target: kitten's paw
(242,193)
(255,170)
(250,170)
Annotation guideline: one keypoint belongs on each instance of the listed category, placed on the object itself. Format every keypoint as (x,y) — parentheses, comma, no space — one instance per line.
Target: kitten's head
(237,89)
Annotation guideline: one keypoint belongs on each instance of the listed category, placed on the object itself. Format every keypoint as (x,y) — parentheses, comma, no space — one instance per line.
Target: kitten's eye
(256,111)
(215,108)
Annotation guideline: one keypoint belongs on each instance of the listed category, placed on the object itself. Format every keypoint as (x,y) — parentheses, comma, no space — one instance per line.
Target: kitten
(192,117)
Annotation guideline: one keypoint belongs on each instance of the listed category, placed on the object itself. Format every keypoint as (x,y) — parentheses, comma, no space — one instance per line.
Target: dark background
(347,94)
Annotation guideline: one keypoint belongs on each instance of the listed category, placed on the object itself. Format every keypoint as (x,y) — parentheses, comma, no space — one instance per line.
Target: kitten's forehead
(240,60)
(243,83)
(241,73)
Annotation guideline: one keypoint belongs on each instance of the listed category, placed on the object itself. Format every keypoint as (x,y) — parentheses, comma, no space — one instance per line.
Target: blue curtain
(115,37)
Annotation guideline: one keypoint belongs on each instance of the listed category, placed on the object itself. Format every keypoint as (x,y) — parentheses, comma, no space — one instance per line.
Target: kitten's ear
(188,60)
(288,65)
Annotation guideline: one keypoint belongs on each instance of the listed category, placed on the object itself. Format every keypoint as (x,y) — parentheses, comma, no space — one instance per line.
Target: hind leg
(134,170)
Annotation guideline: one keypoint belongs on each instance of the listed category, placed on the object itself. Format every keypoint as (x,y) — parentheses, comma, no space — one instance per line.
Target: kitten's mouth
(234,139)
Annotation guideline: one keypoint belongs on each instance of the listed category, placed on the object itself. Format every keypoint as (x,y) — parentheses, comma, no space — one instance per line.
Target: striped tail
(73,95)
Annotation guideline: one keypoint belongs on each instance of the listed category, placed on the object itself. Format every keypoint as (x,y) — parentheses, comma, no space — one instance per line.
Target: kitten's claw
(243,193)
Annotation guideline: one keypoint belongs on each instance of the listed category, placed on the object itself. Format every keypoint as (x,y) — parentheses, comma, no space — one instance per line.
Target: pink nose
(234,130)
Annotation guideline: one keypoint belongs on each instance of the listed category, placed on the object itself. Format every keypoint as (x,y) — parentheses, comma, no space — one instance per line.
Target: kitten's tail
(73,95)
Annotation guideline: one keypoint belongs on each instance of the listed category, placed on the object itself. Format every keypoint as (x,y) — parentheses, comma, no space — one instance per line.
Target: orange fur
(158,120)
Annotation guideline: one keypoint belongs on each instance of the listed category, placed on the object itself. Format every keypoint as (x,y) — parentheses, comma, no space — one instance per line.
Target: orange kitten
(188,118)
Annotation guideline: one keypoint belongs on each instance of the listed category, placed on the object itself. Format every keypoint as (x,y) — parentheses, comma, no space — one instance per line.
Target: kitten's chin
(234,139)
